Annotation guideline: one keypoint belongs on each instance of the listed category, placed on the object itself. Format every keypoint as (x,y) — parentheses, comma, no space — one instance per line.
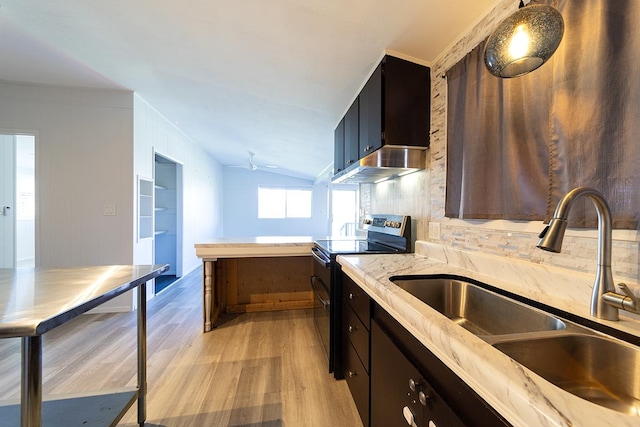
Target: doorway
(17,201)
(168,219)
(344,210)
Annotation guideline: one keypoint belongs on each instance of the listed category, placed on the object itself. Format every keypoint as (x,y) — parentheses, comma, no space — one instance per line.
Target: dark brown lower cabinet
(399,393)
(358,380)
(356,318)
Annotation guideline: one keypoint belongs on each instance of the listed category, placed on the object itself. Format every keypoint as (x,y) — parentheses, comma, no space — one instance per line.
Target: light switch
(109,210)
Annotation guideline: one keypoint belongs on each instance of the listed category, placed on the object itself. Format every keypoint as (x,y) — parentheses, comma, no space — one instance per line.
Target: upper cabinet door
(395,106)
(371,125)
(338,151)
(351,134)
(406,98)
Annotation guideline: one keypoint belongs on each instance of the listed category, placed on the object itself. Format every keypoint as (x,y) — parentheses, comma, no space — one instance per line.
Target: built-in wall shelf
(166,203)
(145,208)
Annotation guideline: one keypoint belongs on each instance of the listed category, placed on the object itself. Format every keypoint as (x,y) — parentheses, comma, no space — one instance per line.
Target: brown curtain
(497,161)
(516,146)
(596,109)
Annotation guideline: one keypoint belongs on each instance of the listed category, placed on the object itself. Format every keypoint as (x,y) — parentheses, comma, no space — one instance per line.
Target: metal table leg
(31,382)
(142,353)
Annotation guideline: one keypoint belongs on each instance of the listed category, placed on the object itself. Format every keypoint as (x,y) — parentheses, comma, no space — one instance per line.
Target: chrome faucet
(605,302)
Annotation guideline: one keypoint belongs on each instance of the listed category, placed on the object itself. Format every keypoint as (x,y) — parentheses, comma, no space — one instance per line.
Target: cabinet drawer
(358,381)
(357,299)
(357,334)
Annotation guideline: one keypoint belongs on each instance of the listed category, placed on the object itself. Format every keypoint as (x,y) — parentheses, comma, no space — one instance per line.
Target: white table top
(250,247)
(34,301)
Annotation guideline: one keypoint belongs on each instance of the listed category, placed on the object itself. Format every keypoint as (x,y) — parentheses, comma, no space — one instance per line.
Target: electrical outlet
(109,210)
(434,230)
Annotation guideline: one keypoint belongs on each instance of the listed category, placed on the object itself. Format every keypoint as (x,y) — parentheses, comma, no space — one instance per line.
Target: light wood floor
(257,369)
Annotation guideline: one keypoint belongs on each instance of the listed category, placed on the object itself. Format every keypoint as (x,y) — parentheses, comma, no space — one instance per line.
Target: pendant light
(524,41)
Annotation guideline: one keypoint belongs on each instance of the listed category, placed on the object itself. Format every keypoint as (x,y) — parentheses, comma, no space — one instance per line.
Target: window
(276,202)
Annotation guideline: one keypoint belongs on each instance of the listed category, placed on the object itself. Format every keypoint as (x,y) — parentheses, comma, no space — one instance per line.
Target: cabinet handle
(352,374)
(367,148)
(352,328)
(413,385)
(352,296)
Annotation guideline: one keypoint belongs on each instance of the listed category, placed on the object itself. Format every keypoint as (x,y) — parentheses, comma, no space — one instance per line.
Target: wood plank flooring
(254,369)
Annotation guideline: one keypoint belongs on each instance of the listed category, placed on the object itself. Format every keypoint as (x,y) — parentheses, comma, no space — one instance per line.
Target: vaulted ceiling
(269,76)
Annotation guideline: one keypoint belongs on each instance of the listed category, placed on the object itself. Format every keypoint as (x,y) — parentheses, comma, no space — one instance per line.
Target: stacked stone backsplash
(422,195)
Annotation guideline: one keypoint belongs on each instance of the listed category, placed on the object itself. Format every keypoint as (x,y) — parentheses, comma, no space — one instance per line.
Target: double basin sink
(577,359)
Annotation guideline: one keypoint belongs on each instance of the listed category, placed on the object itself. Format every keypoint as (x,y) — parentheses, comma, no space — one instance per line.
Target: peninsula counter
(255,274)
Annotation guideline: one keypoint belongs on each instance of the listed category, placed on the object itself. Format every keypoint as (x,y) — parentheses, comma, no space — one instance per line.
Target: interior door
(7,201)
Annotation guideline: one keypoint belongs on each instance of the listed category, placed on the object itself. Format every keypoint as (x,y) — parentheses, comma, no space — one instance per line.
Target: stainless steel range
(386,234)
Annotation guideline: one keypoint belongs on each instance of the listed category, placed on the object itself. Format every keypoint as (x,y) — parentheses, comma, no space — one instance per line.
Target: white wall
(202,181)
(86,158)
(241,206)
(83,162)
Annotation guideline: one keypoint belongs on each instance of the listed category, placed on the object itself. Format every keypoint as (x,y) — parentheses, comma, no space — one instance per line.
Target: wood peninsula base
(265,284)
(240,285)
(255,274)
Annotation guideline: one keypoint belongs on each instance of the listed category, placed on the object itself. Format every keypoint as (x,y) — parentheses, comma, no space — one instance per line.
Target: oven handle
(320,257)
(325,303)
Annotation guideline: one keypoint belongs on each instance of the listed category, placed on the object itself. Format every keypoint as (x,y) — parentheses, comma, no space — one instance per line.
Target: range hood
(386,162)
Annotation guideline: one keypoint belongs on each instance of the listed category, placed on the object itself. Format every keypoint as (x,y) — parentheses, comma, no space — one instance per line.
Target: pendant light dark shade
(523,41)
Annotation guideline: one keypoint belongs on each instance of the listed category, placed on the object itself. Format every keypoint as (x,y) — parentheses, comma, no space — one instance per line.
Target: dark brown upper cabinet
(395,106)
(351,132)
(393,109)
(338,148)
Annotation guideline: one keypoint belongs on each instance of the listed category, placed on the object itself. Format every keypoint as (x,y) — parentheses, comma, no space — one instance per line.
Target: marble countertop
(34,301)
(521,396)
(262,246)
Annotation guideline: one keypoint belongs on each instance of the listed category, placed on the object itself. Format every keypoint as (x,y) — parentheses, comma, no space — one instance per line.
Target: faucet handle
(628,292)
(543,232)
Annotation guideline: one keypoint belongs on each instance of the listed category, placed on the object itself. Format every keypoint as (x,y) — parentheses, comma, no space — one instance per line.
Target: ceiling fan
(253,165)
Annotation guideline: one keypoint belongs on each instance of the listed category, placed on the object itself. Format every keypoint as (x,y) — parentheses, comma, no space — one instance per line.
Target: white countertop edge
(521,396)
(250,247)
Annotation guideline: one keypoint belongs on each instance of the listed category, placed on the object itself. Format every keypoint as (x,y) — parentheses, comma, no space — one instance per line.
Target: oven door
(322,312)
(320,282)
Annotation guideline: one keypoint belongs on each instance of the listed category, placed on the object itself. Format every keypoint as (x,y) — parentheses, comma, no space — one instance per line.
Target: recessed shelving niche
(145,208)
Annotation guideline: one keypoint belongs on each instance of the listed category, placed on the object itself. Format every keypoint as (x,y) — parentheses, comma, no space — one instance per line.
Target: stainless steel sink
(575,358)
(599,370)
(476,309)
